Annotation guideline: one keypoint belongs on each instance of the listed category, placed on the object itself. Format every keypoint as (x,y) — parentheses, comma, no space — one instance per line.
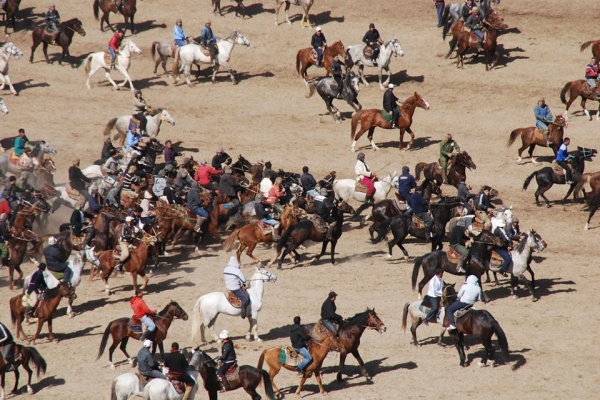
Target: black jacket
(483,202)
(389,100)
(371,36)
(501,234)
(55,260)
(463,193)
(298,337)
(106,148)
(218,161)
(336,68)
(323,208)
(228,353)
(318,41)
(227,185)
(457,236)
(328,311)
(176,363)
(308,182)
(77,178)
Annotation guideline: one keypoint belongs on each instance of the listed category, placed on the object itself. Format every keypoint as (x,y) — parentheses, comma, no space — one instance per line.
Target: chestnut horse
(372,118)
(128,10)
(120,331)
(62,38)
(531,138)
(304,58)
(10,8)
(465,43)
(43,312)
(248,236)
(17,246)
(456,169)
(595,47)
(579,88)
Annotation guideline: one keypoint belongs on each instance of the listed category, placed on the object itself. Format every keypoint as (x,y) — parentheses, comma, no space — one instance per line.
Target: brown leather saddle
(117,251)
(313,55)
(360,188)
(453,255)
(558,170)
(368,52)
(495,261)
(289,356)
(177,384)
(474,37)
(233,373)
(417,222)
(463,311)
(266,228)
(233,299)
(107,58)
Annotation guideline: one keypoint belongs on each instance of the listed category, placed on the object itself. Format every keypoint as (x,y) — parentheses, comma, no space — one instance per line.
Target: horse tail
(354,124)
(284,239)
(418,168)
(405,315)
(111,124)
(348,60)
(37,359)
(153,47)
(175,72)
(268,385)
(513,136)
(528,180)
(298,61)
(415,273)
(261,359)
(311,89)
(96,8)
(586,45)
(445,21)
(563,93)
(231,239)
(86,63)
(585,178)
(196,320)
(502,341)
(104,340)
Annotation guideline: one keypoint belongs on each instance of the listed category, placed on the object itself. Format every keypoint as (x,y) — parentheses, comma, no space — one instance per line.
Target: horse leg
(254,328)
(251,248)
(380,74)
(460,347)
(489,351)
(413,331)
(540,192)
(127,78)
(361,74)
(532,276)
(287,12)
(399,244)
(9,83)
(187,73)
(370,136)
(64,53)
(361,363)
(107,76)
(35,45)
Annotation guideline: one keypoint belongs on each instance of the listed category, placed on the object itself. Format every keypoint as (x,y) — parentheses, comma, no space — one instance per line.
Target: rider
(366,176)
(275,193)
(466,9)
(308,183)
(591,76)
(146,364)
(220,159)
(265,185)
(7,342)
(406,182)
(503,251)
(373,40)
(434,293)
(419,207)
(209,41)
(204,173)
(178,367)
(458,241)
(475,24)
(468,295)
(300,341)
(448,147)
(52,19)
(328,314)
(179,35)
(194,204)
(143,313)
(543,117)
(170,154)
(37,285)
(78,180)
(269,170)
(228,358)
(227,185)
(113,46)
(106,148)
(336,72)
(513,230)
(111,164)
(391,103)
(464,194)
(319,43)
(484,200)
(79,225)
(128,231)
(26,162)
(562,159)
(56,260)
(323,207)
(20,142)
(140,110)
(235,282)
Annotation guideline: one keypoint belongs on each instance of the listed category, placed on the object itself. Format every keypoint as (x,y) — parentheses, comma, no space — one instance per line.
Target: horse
(240,9)
(155,118)
(579,88)
(457,166)
(43,312)
(464,43)
(207,368)
(456,27)
(403,225)
(120,331)
(39,150)
(547,176)
(355,56)
(26,355)
(521,261)
(306,5)
(18,247)
(193,54)
(374,117)
(3,107)
(531,137)
(479,323)
(127,9)
(62,38)
(209,306)
(594,203)
(592,180)
(248,236)
(96,61)
(10,8)
(7,50)
(306,57)
(327,89)
(503,215)
(345,189)
(595,47)
(453,12)
(162,389)
(125,386)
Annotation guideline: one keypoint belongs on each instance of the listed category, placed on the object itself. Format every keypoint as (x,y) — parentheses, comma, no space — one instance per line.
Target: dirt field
(266,117)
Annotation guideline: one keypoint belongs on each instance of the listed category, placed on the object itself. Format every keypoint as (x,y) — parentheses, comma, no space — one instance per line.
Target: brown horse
(318,352)
(531,137)
(128,10)
(43,312)
(120,331)
(62,38)
(465,42)
(372,118)
(581,89)
(595,47)
(248,236)
(25,355)
(457,166)
(17,247)
(304,58)
(10,8)
(592,179)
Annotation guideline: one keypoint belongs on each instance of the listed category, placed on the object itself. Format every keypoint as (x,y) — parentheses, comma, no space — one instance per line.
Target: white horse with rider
(98,60)
(154,120)
(194,54)
(103,184)
(128,384)
(345,189)
(6,51)
(355,56)
(3,106)
(209,306)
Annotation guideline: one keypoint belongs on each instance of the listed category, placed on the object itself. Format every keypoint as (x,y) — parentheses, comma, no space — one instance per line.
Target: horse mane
(358,319)
(521,246)
(232,35)
(156,111)
(164,310)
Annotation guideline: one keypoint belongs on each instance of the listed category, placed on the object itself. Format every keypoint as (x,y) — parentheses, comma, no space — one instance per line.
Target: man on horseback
(26,162)
(319,43)
(308,183)
(275,193)
(336,72)
(323,208)
(300,341)
(235,281)
(458,241)
(143,313)
(434,294)
(373,40)
(57,261)
(170,153)
(227,185)
(147,366)
(52,19)
(484,200)
(469,294)
(591,76)
(113,46)
(220,159)
(265,185)
(79,225)
(178,367)
(78,181)
(448,148)
(194,204)
(7,342)
(20,142)
(503,251)
(391,103)
(465,195)
(111,165)
(128,232)
(328,314)
(562,159)
(204,174)
(228,359)
(366,176)
(37,286)
(475,24)
(543,117)
(406,183)
(140,110)
(179,36)
(419,207)
(209,41)
(466,9)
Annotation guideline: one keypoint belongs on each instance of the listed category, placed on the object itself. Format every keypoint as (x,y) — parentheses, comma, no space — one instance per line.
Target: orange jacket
(139,307)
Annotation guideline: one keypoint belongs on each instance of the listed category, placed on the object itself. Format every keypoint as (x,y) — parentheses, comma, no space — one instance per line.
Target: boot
(29,312)
(245,308)
(460,265)
(368,199)
(145,335)
(119,267)
(223,382)
(199,221)
(188,392)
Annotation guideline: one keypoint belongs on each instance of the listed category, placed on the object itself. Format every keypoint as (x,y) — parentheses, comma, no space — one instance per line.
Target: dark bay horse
(547,176)
(531,137)
(120,331)
(457,166)
(44,311)
(464,43)
(304,59)
(595,47)
(62,38)
(479,323)
(26,355)
(128,10)
(240,8)
(11,8)
(578,88)
(372,118)
(594,203)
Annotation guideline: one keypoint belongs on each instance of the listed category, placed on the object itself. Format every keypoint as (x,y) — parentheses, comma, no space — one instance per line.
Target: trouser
(592,84)
(338,79)
(3,252)
(312,192)
(85,194)
(113,56)
(245,301)
(395,115)
(199,211)
(440,14)
(428,223)
(319,55)
(143,121)
(180,42)
(375,54)
(149,323)
(444,164)
(565,166)
(435,306)
(479,34)
(457,305)
(154,374)
(368,182)
(124,251)
(303,351)
(330,326)
(505,259)
(221,373)
(544,128)
(212,49)
(89,235)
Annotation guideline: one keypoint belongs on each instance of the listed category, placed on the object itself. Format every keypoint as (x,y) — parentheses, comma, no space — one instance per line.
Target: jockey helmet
(405,170)
(148,343)
(371,25)
(51,240)
(360,156)
(224,334)
(318,29)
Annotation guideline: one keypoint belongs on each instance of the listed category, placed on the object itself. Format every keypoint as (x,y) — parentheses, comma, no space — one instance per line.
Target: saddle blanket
(320,225)
(135,324)
(360,188)
(387,117)
(367,52)
(289,356)
(74,194)
(233,299)
(228,206)
(418,222)
(233,373)
(453,255)
(177,384)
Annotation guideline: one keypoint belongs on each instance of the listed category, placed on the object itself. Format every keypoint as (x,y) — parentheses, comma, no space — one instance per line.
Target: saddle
(320,225)
(232,374)
(360,188)
(495,261)
(453,255)
(233,299)
(74,194)
(417,222)
(107,58)
(400,203)
(463,311)
(177,384)
(14,159)
(313,56)
(368,52)
(135,324)
(481,221)
(387,117)
(289,356)
(474,39)
(558,170)
(117,251)
(266,228)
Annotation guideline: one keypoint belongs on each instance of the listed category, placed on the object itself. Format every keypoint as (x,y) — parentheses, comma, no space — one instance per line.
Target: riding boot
(368,199)
(188,392)
(199,221)
(245,308)
(223,382)
(461,263)
(29,312)
(145,335)
(87,240)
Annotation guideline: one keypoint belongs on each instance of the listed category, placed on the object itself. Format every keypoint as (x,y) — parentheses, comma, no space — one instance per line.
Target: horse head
(131,47)
(338,48)
(46,148)
(11,50)
(77,26)
(66,290)
(539,243)
(175,310)
(344,207)
(3,107)
(166,117)
(395,47)
(351,80)
(420,101)
(448,293)
(374,322)
(237,38)
(464,159)
(265,275)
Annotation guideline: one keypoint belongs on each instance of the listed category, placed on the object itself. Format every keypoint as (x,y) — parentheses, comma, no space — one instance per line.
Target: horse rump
(513,136)
(528,180)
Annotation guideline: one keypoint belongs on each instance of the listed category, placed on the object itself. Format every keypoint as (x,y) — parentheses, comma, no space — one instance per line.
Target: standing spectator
(439,8)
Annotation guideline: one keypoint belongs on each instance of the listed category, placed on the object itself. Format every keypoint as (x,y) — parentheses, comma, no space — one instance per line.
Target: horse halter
(379,327)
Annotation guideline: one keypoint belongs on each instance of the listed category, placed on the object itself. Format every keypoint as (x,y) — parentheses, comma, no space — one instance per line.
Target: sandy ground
(266,117)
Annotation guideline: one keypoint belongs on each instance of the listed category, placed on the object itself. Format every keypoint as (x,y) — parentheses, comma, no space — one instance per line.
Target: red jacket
(115,41)
(275,193)
(139,307)
(4,207)
(204,172)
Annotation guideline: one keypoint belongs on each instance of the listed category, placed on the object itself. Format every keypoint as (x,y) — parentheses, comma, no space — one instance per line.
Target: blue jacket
(207,36)
(406,182)
(20,145)
(132,140)
(417,203)
(178,33)
(563,153)
(543,114)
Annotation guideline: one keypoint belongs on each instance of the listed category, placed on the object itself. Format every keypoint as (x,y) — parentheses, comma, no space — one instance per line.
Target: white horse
(355,56)
(95,61)
(193,54)
(344,189)
(103,184)
(126,385)
(209,306)
(3,107)
(521,260)
(9,49)
(504,214)
(162,389)
(154,121)
(39,150)
(306,5)
(417,315)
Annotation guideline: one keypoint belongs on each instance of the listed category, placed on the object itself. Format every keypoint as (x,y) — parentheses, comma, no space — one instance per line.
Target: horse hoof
(388,257)
(112,366)
(30,390)
(259,340)
(534,299)
(481,364)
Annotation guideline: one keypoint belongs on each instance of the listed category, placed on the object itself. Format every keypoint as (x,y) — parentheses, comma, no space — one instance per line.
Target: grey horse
(355,56)
(39,150)
(327,89)
(453,12)
(3,107)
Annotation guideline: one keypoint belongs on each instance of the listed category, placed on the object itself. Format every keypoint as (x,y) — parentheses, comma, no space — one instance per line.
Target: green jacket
(446,148)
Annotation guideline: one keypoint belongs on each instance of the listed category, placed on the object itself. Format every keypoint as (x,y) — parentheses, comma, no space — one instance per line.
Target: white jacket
(234,278)
(470,292)
(435,287)
(361,169)
(265,186)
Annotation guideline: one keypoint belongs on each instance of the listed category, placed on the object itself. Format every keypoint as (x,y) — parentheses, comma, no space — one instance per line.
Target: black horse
(478,261)
(26,356)
(547,177)
(10,8)
(593,204)
(402,225)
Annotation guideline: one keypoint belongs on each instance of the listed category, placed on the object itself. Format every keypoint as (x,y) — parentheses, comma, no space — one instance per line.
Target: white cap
(318,28)
(391,86)
(129,218)
(224,334)
(147,343)
(52,240)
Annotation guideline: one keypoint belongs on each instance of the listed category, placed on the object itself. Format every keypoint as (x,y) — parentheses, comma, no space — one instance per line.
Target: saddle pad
(320,225)
(360,188)
(289,356)
(14,159)
(74,194)
(386,116)
(400,204)
(135,325)
(177,384)
(313,55)
(558,170)
(418,222)
(453,255)
(462,312)
(367,52)
(233,299)
(232,373)
(228,206)
(57,275)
